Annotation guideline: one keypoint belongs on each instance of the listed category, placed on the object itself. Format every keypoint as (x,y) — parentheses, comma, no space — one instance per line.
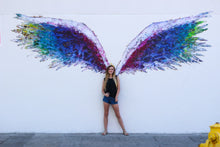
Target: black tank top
(111,87)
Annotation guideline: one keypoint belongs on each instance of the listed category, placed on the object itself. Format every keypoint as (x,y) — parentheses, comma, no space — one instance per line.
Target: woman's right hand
(106,94)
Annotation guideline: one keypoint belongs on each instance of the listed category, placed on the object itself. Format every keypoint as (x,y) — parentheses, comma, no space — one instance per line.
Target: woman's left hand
(116,99)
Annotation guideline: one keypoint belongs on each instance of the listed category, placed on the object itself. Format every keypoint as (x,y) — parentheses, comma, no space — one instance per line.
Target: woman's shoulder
(111,78)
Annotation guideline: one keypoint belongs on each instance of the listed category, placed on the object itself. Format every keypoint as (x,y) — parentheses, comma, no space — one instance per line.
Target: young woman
(111,89)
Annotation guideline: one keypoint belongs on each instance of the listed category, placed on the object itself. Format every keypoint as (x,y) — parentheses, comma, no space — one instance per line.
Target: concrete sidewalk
(97,140)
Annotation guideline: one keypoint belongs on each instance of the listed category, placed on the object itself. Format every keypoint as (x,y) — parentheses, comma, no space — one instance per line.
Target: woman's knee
(118,115)
(106,114)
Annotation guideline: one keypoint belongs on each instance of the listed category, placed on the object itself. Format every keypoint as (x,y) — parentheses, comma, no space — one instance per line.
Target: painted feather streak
(165,45)
(66,42)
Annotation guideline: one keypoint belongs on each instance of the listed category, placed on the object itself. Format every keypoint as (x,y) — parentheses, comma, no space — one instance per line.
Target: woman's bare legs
(106,110)
(117,113)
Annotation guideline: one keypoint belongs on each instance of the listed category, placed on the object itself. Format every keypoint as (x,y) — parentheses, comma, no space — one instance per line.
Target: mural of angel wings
(160,45)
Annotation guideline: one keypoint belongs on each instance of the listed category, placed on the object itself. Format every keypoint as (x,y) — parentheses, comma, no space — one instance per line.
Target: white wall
(34,98)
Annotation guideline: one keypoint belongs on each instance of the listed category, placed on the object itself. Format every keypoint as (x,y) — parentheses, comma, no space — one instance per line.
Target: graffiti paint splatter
(160,45)
(66,42)
(164,45)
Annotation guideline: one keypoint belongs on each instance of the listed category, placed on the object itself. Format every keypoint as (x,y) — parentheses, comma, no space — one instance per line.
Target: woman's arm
(118,89)
(103,92)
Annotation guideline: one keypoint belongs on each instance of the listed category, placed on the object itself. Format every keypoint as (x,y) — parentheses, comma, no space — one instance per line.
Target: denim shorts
(109,100)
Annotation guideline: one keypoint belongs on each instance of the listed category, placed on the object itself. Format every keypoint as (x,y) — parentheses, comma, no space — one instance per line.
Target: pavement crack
(4,140)
(155,139)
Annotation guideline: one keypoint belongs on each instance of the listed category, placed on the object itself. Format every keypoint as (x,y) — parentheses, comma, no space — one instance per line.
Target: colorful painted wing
(164,45)
(66,42)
